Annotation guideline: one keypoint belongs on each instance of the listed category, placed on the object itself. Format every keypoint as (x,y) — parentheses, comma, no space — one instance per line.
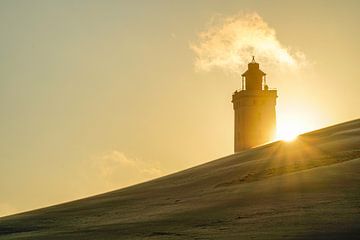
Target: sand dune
(306,189)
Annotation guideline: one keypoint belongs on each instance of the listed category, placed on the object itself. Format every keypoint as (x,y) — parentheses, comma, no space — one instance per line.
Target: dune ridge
(306,189)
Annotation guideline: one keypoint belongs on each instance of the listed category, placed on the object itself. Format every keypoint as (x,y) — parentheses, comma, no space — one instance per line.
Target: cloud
(114,169)
(230,42)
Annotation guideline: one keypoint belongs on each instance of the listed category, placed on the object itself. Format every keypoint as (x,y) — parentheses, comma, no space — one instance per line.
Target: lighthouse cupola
(253,78)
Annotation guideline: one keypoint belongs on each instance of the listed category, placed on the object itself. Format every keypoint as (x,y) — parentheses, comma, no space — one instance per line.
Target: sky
(99,95)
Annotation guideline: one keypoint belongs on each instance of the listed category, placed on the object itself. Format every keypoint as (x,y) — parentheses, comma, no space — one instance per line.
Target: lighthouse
(254,110)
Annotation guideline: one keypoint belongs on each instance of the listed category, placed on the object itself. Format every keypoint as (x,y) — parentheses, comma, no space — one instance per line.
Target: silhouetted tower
(254,106)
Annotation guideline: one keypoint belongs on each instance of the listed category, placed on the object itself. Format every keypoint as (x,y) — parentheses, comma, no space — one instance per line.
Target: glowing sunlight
(288,136)
(289,128)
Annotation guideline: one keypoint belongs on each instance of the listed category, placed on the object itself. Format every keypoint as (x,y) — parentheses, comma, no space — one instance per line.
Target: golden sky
(97,95)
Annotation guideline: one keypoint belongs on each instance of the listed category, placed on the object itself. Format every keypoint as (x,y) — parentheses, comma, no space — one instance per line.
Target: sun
(288,136)
(289,129)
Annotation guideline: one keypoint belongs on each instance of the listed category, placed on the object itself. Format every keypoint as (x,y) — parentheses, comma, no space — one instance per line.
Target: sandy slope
(308,189)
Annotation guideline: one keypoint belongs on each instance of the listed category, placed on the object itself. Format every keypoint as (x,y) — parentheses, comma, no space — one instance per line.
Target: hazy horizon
(98,95)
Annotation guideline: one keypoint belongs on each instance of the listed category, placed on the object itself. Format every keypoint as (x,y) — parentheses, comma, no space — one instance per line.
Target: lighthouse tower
(254,106)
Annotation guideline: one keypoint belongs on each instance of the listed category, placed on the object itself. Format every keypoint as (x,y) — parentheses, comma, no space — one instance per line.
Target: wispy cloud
(114,169)
(229,42)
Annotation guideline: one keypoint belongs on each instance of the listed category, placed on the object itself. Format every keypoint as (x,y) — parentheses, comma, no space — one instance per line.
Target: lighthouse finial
(253,59)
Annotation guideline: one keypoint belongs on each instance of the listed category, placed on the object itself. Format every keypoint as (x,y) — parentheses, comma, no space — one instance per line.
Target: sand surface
(306,189)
